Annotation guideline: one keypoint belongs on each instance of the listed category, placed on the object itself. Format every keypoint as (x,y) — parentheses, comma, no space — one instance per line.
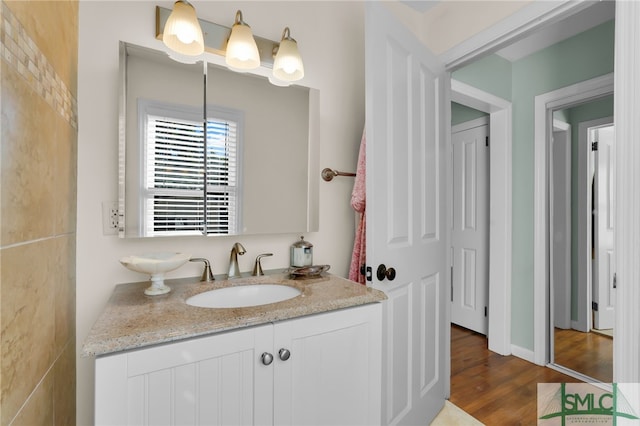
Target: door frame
(564,293)
(627,108)
(500,209)
(544,105)
(517,26)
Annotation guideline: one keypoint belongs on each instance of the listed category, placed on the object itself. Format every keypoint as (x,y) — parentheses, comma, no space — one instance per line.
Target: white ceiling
(590,17)
(420,5)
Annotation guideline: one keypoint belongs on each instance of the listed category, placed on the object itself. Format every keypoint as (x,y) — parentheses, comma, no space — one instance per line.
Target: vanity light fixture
(182,32)
(288,65)
(242,51)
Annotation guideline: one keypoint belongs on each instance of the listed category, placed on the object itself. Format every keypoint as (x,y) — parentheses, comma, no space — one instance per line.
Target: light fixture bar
(216,37)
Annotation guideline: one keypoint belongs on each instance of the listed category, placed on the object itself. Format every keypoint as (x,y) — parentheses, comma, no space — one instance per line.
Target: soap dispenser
(301,253)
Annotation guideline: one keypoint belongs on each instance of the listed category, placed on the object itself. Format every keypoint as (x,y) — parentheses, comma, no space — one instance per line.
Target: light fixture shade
(182,32)
(288,65)
(242,51)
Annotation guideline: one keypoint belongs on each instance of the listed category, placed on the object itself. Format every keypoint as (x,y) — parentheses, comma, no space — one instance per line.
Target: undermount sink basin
(242,296)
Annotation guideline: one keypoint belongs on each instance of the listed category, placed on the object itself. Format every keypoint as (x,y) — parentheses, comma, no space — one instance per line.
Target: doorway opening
(470,219)
(553,232)
(520,74)
(499,199)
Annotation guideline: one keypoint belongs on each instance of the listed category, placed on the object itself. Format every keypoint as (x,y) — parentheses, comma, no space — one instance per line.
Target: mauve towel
(358,202)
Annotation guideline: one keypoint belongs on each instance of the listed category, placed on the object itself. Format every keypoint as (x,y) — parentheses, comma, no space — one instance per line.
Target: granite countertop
(133,320)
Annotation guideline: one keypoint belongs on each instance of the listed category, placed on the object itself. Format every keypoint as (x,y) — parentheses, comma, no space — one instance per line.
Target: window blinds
(174,176)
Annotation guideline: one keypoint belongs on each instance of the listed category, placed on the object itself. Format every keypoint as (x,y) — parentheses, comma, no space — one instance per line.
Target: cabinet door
(208,381)
(333,375)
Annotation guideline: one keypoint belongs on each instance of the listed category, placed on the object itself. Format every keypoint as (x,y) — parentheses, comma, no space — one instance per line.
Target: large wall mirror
(261,151)
(581,211)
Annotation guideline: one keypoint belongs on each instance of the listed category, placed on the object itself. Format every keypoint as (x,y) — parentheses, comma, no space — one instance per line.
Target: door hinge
(451,283)
(485,311)
(486,141)
(594,306)
(594,146)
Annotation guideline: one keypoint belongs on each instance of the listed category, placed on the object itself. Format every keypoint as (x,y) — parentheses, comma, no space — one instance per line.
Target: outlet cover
(110,218)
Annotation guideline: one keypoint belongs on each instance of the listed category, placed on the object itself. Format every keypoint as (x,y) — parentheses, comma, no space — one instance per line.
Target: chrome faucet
(207,274)
(257,268)
(234,269)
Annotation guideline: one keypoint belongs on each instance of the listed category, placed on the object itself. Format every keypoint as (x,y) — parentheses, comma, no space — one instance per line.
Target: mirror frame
(313,169)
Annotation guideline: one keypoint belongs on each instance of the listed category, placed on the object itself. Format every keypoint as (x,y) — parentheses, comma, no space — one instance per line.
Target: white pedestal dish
(155,265)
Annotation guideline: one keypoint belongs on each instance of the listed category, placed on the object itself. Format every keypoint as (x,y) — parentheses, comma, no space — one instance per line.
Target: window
(173,170)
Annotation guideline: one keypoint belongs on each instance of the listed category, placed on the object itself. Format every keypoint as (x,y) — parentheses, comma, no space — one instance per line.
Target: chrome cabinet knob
(284,354)
(266,358)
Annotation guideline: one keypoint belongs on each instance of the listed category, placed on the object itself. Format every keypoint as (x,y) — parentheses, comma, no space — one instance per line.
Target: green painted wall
(492,74)
(462,113)
(579,58)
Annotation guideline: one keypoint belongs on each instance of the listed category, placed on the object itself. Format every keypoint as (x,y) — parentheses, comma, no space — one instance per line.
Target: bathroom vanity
(311,359)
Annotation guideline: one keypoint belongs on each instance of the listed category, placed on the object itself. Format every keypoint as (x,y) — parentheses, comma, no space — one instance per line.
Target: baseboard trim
(526,354)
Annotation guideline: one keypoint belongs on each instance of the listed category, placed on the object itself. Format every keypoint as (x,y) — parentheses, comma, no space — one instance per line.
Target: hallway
(495,389)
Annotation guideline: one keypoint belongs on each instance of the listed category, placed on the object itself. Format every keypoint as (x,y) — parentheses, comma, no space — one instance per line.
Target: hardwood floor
(495,389)
(589,353)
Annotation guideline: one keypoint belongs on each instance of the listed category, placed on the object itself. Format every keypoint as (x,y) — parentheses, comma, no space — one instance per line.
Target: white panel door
(604,290)
(406,100)
(470,230)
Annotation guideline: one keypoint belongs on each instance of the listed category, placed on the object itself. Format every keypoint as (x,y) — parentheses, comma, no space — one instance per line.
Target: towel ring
(328,174)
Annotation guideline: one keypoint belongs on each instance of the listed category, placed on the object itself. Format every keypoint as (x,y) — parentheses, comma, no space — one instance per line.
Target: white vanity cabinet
(332,375)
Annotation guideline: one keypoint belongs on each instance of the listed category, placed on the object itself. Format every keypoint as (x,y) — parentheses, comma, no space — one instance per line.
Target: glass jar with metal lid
(301,253)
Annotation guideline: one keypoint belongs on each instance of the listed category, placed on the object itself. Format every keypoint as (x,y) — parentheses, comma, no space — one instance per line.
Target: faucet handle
(207,274)
(257,268)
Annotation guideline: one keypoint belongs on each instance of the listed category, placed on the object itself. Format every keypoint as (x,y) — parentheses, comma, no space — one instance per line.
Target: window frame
(146,108)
